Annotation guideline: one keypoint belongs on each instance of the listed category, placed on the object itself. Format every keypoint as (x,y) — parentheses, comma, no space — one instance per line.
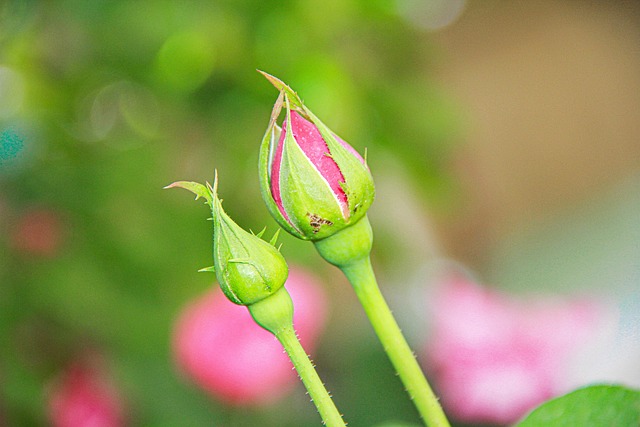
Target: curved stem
(310,378)
(362,278)
(275,314)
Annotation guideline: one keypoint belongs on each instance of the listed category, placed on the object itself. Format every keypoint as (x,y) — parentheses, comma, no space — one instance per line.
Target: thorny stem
(363,280)
(349,250)
(321,398)
(275,314)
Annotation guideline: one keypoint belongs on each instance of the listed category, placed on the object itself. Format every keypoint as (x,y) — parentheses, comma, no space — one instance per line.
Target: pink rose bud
(313,182)
(85,397)
(496,358)
(219,346)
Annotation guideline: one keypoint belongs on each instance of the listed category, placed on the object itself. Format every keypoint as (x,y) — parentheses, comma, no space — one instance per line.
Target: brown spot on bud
(317,221)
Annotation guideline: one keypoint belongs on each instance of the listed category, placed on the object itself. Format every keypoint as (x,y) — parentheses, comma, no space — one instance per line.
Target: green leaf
(594,406)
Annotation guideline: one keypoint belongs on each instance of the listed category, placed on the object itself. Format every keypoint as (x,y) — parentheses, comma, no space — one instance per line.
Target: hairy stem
(275,314)
(310,378)
(362,278)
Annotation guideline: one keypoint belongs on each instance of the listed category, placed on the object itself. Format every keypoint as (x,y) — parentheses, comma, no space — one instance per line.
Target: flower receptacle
(347,246)
(273,313)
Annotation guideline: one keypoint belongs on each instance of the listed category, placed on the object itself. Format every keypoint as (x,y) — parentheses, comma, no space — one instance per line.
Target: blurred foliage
(113,100)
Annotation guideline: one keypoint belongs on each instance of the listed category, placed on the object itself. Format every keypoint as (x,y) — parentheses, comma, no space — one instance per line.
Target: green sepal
(311,204)
(195,187)
(284,88)
(211,269)
(274,239)
(358,183)
(241,261)
(269,142)
(248,268)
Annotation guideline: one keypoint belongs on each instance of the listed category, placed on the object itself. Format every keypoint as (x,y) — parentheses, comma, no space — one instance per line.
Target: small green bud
(248,268)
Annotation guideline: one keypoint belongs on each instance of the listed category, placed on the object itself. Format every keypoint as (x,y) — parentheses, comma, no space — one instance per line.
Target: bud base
(275,312)
(347,246)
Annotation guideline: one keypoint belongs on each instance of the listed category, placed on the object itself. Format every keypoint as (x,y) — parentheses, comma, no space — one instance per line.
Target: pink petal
(310,140)
(497,357)
(275,175)
(218,345)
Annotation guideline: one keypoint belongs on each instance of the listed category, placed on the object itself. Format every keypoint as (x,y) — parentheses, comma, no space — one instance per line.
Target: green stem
(275,314)
(310,378)
(349,250)
(362,278)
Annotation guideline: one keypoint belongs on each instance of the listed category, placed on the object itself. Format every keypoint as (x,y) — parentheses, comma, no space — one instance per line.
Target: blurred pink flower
(495,358)
(38,232)
(85,397)
(218,345)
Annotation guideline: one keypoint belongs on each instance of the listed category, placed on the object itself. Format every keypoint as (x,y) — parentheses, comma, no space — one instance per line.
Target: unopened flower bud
(314,183)
(221,349)
(248,268)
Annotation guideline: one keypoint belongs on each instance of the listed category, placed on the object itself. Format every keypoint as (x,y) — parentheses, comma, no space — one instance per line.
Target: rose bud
(247,268)
(222,350)
(252,272)
(314,183)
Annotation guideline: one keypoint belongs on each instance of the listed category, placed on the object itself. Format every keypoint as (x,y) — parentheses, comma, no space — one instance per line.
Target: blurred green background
(504,135)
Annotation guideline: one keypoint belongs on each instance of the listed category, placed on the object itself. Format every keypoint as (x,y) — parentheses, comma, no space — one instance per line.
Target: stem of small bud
(275,314)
